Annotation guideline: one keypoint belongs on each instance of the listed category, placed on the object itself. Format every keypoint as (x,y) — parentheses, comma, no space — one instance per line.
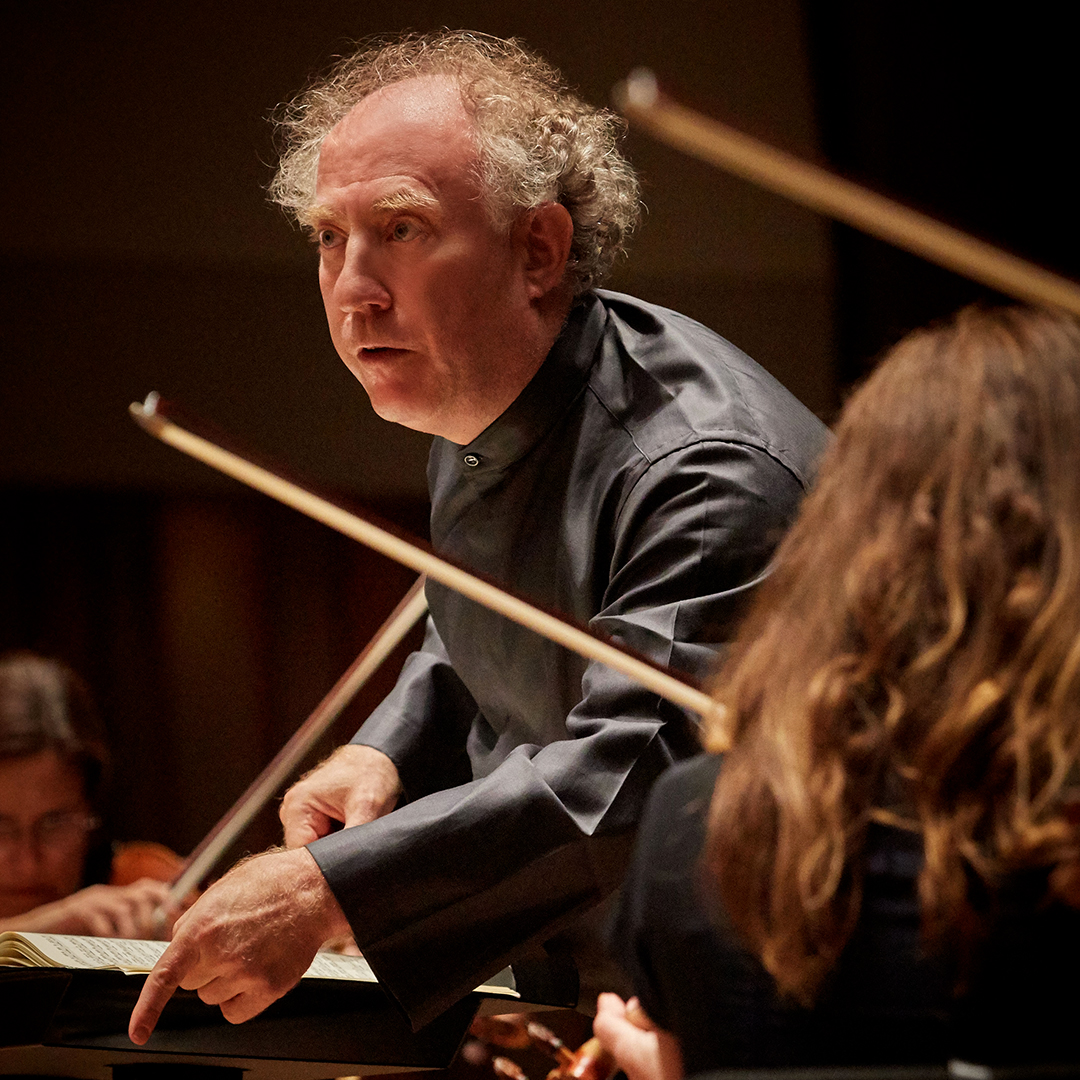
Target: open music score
(64,1012)
(137,957)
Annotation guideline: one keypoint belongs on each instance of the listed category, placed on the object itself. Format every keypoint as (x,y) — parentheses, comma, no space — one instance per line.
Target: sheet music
(69,950)
(19,949)
(138,957)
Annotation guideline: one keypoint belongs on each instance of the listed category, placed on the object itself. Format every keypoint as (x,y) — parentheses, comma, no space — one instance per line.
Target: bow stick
(198,864)
(641,101)
(152,416)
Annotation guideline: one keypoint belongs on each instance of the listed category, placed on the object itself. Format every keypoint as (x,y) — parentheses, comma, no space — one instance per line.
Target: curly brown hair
(537,141)
(915,656)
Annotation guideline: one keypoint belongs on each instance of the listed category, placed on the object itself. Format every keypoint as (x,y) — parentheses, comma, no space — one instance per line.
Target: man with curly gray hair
(611,459)
(536,142)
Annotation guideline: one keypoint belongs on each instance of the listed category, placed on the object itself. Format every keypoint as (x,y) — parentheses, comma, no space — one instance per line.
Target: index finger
(176,961)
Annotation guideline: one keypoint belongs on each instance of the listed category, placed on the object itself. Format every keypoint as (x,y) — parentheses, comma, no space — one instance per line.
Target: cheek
(469,299)
(64,872)
(326,291)
(335,322)
(327,284)
(53,875)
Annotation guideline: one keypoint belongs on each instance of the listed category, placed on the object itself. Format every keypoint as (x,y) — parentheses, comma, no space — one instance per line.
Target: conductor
(608,458)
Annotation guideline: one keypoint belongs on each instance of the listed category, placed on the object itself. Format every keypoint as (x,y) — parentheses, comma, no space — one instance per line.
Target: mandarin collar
(551,391)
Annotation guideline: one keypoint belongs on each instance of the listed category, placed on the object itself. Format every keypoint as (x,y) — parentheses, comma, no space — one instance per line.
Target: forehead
(415,129)
(35,784)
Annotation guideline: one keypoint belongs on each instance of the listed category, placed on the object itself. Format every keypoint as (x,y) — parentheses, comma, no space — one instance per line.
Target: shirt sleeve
(423,723)
(441,892)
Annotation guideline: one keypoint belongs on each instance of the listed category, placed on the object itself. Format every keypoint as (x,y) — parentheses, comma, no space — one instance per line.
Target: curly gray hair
(537,141)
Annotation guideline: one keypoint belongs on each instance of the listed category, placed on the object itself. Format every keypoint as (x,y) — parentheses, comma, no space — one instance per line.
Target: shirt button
(471,460)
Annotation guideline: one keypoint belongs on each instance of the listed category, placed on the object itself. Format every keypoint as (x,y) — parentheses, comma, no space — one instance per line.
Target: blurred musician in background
(884,869)
(55,858)
(607,458)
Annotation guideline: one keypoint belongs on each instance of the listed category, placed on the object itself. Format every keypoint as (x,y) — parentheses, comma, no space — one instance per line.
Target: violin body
(140,859)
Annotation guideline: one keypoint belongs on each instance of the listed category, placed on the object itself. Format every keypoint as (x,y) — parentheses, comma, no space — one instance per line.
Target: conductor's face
(427,300)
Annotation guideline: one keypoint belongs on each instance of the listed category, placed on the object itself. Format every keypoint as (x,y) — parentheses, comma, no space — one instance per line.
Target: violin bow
(161,421)
(641,100)
(201,861)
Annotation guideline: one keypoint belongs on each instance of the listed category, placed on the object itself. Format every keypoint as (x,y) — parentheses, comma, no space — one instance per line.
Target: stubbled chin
(398,412)
(383,377)
(393,396)
(401,394)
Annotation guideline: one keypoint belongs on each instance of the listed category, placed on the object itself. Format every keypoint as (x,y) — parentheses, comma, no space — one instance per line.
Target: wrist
(317,898)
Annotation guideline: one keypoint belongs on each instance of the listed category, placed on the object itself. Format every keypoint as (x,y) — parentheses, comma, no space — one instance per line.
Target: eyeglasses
(54,831)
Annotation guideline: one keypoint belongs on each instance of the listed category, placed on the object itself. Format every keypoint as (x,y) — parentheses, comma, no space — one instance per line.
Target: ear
(546,233)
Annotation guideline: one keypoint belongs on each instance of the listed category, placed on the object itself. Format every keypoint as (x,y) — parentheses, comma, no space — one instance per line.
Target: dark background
(139,253)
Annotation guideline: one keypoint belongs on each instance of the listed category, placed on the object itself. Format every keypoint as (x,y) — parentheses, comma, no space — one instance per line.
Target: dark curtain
(208,628)
(966,115)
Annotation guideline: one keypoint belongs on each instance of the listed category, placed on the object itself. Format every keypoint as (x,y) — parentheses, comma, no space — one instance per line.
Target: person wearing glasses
(54,855)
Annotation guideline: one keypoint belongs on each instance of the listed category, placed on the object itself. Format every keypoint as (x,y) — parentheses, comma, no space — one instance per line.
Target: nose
(357,285)
(22,861)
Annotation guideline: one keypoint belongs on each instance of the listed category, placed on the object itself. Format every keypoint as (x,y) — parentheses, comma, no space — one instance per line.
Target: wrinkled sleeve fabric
(441,892)
(423,723)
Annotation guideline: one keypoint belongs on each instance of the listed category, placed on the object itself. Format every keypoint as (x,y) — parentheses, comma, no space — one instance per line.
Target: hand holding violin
(123,911)
(641,1049)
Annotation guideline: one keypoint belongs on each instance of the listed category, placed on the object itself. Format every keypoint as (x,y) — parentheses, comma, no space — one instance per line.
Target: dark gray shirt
(639,483)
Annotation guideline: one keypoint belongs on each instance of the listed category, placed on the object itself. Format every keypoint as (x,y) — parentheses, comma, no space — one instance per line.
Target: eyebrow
(402,199)
(406,199)
(313,215)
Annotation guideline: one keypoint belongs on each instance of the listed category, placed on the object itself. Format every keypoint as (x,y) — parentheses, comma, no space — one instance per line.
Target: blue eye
(404,230)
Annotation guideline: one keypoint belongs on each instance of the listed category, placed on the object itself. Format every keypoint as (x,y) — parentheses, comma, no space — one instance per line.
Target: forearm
(131,911)
(464,877)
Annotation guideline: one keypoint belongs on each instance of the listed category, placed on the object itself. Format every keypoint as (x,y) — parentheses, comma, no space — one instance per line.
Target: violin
(140,859)
(518,1032)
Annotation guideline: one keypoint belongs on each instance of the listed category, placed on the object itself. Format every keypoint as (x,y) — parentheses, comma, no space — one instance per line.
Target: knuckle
(172,968)
(240,1008)
(276,985)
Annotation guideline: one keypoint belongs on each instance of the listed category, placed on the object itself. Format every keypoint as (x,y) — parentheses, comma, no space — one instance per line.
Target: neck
(551,311)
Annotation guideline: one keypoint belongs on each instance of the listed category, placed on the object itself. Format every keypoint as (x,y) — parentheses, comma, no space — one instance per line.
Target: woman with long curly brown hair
(892,836)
